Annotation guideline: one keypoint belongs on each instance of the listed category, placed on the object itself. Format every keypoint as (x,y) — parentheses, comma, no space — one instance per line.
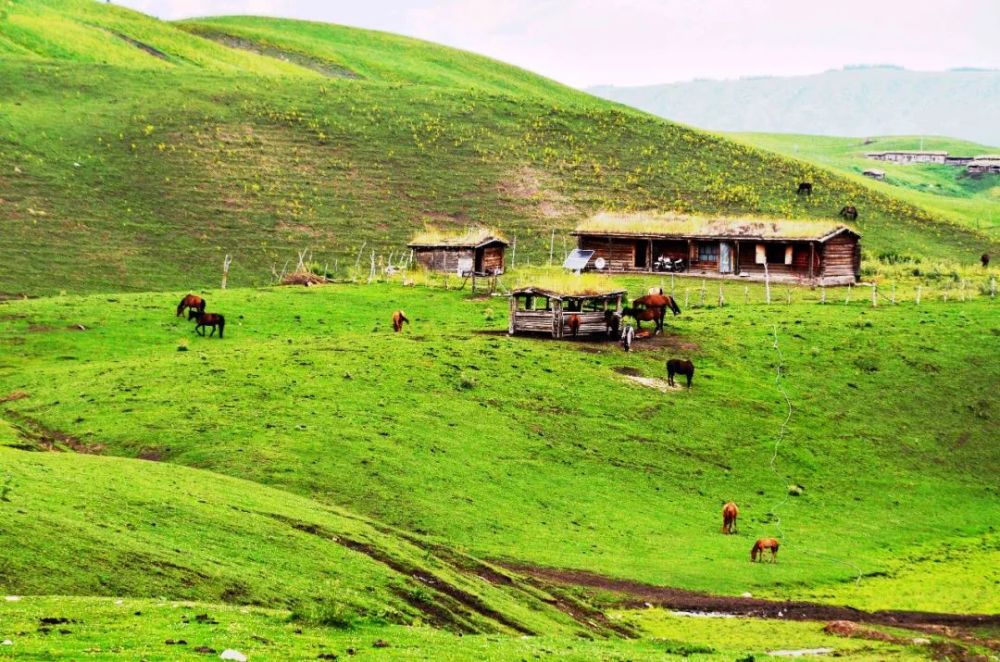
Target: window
(775,253)
(708,252)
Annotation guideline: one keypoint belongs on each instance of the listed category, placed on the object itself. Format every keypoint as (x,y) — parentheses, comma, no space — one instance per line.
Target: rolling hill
(855,101)
(130,170)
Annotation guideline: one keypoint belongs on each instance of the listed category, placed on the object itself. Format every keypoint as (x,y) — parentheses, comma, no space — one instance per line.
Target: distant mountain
(854,101)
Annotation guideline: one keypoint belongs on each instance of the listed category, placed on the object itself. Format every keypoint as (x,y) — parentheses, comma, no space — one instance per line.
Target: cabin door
(725,258)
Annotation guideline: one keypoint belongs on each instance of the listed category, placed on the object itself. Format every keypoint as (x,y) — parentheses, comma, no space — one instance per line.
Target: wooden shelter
(818,252)
(477,252)
(540,310)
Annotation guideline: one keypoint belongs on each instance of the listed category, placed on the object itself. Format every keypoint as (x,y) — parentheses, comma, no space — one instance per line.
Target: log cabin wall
(618,253)
(492,259)
(842,256)
(442,259)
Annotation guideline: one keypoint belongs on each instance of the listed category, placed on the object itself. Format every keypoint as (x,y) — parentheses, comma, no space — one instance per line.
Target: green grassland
(946,191)
(541,452)
(123,170)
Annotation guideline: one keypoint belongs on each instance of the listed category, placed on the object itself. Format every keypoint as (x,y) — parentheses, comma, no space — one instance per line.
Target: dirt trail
(637,594)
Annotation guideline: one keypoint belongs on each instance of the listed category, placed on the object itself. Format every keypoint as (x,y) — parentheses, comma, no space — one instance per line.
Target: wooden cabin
(540,310)
(814,252)
(874,173)
(477,252)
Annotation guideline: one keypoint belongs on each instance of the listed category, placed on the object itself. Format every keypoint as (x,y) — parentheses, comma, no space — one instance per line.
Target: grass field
(122,170)
(542,447)
(946,191)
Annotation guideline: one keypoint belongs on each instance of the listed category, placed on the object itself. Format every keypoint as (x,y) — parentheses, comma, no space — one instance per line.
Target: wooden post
(649,255)
(671,285)
(722,297)
(687,296)
(513,315)
(892,294)
(557,319)
(962,290)
(918,294)
(874,295)
(702,299)
(767,283)
(822,294)
(552,244)
(993,287)
(788,295)
(812,259)
(736,264)
(225,270)
(847,299)
(746,294)
(513,251)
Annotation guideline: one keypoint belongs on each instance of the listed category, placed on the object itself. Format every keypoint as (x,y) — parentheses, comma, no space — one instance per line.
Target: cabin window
(708,252)
(775,253)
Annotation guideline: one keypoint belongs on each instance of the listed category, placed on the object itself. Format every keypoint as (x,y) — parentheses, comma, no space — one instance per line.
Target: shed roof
(471,238)
(908,151)
(553,294)
(655,224)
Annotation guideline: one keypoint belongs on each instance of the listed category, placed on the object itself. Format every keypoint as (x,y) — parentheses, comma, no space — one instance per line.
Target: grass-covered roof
(472,237)
(659,224)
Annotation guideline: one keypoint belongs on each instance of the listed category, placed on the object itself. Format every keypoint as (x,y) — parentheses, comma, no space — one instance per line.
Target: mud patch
(46,438)
(655,383)
(628,371)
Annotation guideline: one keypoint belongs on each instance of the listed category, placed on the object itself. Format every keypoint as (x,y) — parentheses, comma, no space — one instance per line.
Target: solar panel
(578,259)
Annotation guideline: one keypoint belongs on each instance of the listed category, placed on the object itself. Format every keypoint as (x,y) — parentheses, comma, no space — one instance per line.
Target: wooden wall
(619,253)
(493,259)
(442,259)
(842,256)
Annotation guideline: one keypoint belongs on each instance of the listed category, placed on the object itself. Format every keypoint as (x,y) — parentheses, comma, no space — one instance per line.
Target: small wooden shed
(476,252)
(817,252)
(541,310)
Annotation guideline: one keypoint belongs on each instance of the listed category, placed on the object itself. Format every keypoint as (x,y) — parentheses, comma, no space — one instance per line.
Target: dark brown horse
(849,213)
(805,188)
(679,367)
(573,323)
(398,320)
(985,259)
(729,514)
(658,301)
(641,315)
(191,301)
(214,320)
(759,547)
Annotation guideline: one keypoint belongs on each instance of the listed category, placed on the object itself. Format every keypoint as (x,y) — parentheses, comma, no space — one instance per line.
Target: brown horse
(679,367)
(214,320)
(985,259)
(729,514)
(641,315)
(191,301)
(398,320)
(574,325)
(660,300)
(759,547)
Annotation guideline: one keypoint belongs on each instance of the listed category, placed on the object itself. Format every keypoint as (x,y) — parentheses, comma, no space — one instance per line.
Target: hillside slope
(121,177)
(945,190)
(855,101)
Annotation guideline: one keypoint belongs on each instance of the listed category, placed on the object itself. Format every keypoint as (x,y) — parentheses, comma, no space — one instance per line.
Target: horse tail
(180,307)
(403,318)
(202,304)
(674,307)
(753,552)
(222,325)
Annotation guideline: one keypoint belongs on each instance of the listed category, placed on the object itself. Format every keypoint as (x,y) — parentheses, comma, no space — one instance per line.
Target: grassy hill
(947,191)
(537,452)
(126,171)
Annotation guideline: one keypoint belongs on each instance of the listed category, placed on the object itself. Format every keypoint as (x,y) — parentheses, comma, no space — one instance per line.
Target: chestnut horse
(660,300)
(729,514)
(191,301)
(574,325)
(679,367)
(762,544)
(214,320)
(398,320)
(641,315)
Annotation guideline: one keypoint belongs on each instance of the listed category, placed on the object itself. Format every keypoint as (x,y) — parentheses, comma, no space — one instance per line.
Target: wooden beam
(513,315)
(812,258)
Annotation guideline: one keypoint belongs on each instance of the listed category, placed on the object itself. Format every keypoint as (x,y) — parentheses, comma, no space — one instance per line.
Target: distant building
(874,174)
(820,252)
(958,161)
(984,164)
(477,252)
(907,157)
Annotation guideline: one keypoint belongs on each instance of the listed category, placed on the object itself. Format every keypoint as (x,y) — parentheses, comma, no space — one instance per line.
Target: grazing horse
(574,324)
(985,259)
(628,337)
(849,213)
(729,514)
(759,547)
(658,301)
(612,324)
(191,301)
(805,188)
(641,315)
(679,367)
(213,320)
(398,320)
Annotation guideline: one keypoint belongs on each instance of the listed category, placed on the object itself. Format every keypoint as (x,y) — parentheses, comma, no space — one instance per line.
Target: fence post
(722,297)
(918,294)
(687,296)
(513,252)
(962,290)
(671,285)
(822,294)
(767,284)
(892,295)
(847,299)
(746,294)
(225,270)
(788,295)
(993,287)
(552,242)
(702,298)
(874,295)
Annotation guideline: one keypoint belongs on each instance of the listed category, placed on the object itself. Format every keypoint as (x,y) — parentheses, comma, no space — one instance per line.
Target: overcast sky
(636,42)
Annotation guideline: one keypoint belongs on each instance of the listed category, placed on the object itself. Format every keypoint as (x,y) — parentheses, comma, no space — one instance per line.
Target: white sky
(637,42)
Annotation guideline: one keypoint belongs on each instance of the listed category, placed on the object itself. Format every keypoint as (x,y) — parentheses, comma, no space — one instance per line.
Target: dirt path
(636,594)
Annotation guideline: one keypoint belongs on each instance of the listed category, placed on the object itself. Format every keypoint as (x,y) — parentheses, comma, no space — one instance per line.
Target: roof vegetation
(474,236)
(682,225)
(569,285)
